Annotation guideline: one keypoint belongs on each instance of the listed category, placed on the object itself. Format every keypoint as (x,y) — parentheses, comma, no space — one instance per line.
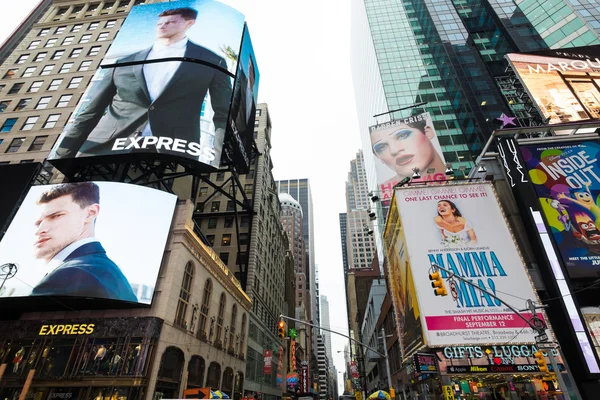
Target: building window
(15,88)
(22,58)
(11,73)
(57,54)
(215,205)
(43,103)
(55,84)
(224,257)
(75,82)
(29,123)
(8,124)
(232,327)
(44,32)
(184,296)
(243,334)
(211,240)
(102,37)
(40,57)
(85,38)
(4,105)
(47,69)
(111,23)
(51,121)
(94,25)
(75,12)
(15,145)
(68,40)
(85,65)
(22,104)
(212,223)
(107,7)
(230,205)
(64,100)
(38,143)
(241,258)
(34,44)
(203,191)
(60,30)
(76,27)
(222,304)
(228,222)
(225,240)
(75,52)
(61,12)
(94,51)
(245,222)
(51,42)
(66,67)
(35,86)
(204,308)
(243,239)
(248,188)
(220,176)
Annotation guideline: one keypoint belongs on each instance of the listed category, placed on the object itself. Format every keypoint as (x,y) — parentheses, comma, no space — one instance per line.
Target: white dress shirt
(60,257)
(158,75)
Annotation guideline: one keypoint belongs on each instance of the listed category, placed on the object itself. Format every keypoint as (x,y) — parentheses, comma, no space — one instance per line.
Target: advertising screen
(566,178)
(101,240)
(240,131)
(402,145)
(462,228)
(164,90)
(400,277)
(564,89)
(14,181)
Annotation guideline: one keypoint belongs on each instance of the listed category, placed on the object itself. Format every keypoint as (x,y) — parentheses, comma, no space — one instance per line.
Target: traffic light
(281,329)
(438,284)
(540,360)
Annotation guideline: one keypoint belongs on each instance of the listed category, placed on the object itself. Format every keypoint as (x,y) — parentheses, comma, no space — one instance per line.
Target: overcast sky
(303,54)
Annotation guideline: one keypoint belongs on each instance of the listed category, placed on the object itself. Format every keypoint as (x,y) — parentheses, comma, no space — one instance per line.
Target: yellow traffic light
(281,329)
(540,360)
(438,284)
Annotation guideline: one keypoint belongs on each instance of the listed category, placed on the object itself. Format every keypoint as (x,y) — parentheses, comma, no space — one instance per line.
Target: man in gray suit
(161,99)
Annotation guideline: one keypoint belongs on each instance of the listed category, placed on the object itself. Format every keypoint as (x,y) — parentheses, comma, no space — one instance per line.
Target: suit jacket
(120,104)
(87,272)
(239,107)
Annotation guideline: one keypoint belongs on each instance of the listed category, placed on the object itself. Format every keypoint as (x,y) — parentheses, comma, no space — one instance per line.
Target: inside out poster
(566,178)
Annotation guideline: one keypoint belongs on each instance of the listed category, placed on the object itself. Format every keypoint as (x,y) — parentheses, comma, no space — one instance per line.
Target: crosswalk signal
(438,284)
(281,329)
(540,360)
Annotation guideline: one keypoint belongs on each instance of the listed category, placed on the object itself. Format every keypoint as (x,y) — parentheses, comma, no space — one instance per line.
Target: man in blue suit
(77,262)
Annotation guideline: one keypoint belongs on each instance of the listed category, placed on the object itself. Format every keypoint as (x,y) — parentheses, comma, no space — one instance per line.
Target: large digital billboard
(164,88)
(565,88)
(90,240)
(402,145)
(461,227)
(400,277)
(566,178)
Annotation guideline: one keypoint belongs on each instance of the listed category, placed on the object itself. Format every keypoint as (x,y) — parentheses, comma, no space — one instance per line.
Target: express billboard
(96,240)
(400,277)
(402,145)
(164,89)
(566,178)
(462,228)
(565,88)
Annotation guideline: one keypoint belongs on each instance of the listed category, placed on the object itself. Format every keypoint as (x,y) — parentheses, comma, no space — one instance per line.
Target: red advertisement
(354,370)
(267,369)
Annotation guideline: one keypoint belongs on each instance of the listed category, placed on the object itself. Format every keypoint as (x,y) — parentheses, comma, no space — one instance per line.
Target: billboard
(565,88)
(14,181)
(462,228)
(91,239)
(402,288)
(404,144)
(164,88)
(566,178)
(240,131)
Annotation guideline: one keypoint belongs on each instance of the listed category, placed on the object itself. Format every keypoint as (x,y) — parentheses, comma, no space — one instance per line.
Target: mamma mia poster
(566,178)
(461,228)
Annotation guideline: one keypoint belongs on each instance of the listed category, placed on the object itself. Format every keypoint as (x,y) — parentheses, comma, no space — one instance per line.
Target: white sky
(303,54)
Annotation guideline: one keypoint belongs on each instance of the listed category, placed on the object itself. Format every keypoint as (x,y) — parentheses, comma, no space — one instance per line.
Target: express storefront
(88,359)
(507,372)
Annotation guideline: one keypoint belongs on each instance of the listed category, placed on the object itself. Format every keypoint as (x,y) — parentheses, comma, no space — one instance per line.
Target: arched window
(220,319)
(213,377)
(242,350)
(232,327)
(171,365)
(238,388)
(195,372)
(202,322)
(184,296)
(227,386)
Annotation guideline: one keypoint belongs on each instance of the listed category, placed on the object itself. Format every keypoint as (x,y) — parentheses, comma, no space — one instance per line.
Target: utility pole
(534,323)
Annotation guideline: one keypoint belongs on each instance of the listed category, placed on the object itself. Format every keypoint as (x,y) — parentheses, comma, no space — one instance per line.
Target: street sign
(546,346)
(541,338)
